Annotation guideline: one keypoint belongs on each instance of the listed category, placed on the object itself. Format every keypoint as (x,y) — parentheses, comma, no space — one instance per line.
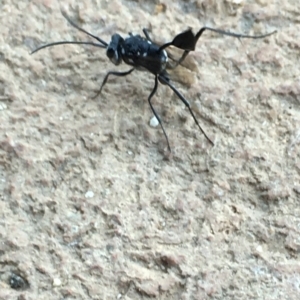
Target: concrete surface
(93,206)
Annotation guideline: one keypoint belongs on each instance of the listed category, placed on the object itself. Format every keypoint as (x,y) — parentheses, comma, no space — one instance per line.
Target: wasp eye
(110,52)
(113,55)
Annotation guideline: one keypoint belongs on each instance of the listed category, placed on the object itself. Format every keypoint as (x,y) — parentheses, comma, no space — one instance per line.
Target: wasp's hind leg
(166,81)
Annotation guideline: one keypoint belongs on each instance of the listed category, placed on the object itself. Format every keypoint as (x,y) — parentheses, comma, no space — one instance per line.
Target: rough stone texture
(92,204)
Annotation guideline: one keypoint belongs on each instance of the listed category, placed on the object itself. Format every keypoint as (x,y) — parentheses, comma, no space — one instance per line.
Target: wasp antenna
(102,44)
(81,29)
(67,42)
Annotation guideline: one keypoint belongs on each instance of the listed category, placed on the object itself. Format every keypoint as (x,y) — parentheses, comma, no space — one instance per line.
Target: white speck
(138,53)
(119,296)
(154,122)
(123,51)
(89,194)
(56,282)
(259,249)
(130,152)
(165,55)
(149,42)
(144,54)
(3,106)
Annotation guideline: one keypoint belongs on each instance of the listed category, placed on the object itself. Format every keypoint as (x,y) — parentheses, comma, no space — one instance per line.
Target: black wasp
(143,54)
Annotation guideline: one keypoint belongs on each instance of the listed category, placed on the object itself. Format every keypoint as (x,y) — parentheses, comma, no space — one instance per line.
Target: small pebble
(17,282)
(89,194)
(3,106)
(154,122)
(56,282)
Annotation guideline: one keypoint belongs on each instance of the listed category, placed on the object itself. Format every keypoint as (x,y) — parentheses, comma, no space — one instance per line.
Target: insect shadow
(142,54)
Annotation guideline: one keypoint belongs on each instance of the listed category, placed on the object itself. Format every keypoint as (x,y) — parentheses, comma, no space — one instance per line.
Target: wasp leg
(164,80)
(187,40)
(119,74)
(146,33)
(154,112)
